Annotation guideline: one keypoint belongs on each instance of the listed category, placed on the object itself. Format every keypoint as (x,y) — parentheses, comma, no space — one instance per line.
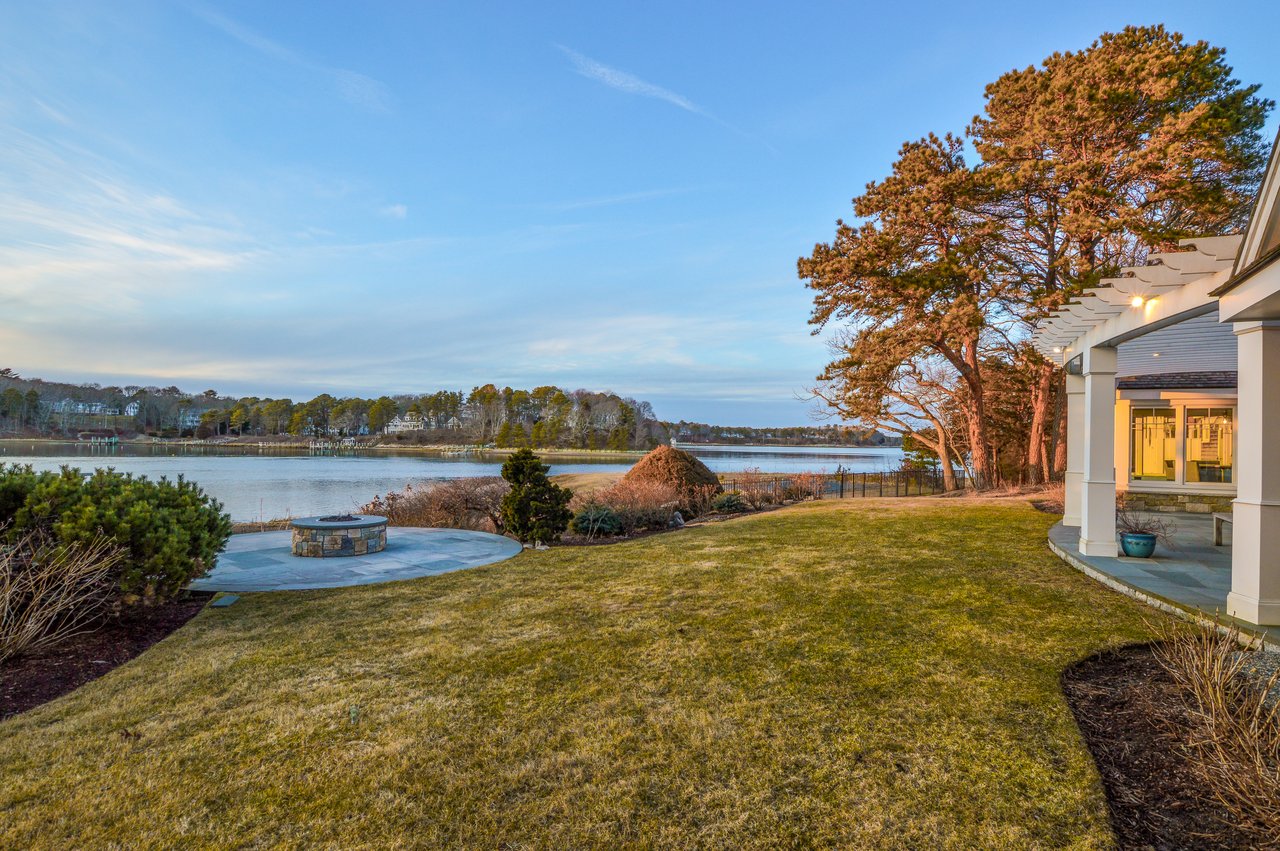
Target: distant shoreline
(247,443)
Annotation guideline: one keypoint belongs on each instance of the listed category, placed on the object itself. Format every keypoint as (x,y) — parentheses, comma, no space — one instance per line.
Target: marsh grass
(871,673)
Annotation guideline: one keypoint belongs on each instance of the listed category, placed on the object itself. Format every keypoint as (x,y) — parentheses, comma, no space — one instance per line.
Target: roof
(1202,260)
(1261,244)
(1179,381)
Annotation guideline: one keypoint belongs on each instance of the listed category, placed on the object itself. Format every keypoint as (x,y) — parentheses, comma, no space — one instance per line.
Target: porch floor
(1189,573)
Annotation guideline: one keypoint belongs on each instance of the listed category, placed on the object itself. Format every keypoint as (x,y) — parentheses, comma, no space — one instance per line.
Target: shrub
(474,503)
(695,484)
(595,519)
(50,592)
(756,488)
(1234,719)
(535,509)
(804,486)
(170,531)
(729,503)
(637,504)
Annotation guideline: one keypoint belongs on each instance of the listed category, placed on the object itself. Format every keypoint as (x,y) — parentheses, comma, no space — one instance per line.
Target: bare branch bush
(471,503)
(757,489)
(49,592)
(638,503)
(1234,740)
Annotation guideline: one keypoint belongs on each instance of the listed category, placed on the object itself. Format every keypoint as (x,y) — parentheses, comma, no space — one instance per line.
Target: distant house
(409,422)
(72,406)
(132,409)
(190,418)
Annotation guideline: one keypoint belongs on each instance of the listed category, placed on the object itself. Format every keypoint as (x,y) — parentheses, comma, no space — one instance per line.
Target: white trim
(1169,295)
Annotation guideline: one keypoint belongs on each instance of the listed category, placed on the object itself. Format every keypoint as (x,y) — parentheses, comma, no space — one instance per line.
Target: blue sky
(289,198)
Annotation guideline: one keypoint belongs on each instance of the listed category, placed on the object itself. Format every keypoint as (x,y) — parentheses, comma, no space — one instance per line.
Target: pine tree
(536,509)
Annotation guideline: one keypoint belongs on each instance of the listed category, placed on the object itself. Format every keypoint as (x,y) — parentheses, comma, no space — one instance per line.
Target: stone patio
(1188,573)
(263,561)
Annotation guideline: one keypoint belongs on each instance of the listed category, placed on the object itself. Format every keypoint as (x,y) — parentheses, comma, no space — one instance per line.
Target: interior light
(1138,301)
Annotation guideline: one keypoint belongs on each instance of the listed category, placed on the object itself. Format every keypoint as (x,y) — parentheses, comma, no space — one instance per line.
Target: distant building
(132,409)
(409,422)
(72,406)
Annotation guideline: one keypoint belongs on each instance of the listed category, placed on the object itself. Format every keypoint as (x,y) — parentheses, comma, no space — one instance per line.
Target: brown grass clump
(1234,743)
(692,479)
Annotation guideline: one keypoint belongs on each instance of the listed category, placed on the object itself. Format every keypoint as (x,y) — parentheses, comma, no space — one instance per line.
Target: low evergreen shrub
(596,519)
(170,532)
(729,503)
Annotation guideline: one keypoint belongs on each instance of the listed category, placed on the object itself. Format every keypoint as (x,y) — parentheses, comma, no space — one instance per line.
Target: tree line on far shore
(543,417)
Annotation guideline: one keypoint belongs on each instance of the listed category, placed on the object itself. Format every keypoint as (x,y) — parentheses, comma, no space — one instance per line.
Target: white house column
(1075,450)
(1098,484)
(1255,532)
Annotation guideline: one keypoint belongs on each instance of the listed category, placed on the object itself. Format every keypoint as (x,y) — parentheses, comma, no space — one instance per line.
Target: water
(260,483)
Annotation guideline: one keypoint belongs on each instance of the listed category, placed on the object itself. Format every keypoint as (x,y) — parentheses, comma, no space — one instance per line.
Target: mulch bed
(38,677)
(1133,720)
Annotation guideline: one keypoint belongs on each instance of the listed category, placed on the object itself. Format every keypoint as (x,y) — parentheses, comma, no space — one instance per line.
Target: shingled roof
(1179,381)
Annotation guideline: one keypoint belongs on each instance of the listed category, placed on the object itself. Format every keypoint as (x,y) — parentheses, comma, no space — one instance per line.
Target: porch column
(1075,450)
(1255,530)
(1098,484)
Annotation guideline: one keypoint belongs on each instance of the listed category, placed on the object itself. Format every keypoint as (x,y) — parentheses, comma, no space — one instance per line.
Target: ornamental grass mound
(692,480)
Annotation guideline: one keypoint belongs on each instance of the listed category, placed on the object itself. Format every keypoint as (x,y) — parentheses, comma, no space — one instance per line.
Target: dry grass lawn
(585,483)
(865,674)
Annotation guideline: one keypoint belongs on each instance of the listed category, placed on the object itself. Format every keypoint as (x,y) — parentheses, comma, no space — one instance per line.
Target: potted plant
(1139,532)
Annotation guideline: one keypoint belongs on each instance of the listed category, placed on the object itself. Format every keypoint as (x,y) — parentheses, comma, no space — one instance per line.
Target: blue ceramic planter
(1137,544)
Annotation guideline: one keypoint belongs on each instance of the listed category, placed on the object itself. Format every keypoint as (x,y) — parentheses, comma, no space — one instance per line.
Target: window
(1209,444)
(1153,444)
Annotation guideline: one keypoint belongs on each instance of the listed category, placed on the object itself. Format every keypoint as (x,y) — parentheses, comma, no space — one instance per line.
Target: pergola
(1238,277)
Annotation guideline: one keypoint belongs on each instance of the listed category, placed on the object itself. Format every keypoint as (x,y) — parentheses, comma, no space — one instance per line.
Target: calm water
(259,484)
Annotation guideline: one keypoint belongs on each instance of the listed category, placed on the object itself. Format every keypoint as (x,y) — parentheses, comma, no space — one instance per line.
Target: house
(408,422)
(95,409)
(132,409)
(1173,395)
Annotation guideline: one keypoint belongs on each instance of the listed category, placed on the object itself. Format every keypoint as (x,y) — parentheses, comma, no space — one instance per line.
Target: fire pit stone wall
(335,537)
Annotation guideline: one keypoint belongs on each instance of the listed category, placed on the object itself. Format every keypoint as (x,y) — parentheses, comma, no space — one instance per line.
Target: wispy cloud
(78,233)
(395,211)
(625,82)
(629,83)
(613,200)
(352,86)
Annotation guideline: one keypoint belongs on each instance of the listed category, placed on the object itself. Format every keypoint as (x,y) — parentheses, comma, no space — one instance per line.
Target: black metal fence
(778,488)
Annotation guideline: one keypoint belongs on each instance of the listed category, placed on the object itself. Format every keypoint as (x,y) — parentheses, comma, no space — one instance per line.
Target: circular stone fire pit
(339,535)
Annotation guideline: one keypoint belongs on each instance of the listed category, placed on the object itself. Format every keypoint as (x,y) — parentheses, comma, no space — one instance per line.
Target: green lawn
(872,673)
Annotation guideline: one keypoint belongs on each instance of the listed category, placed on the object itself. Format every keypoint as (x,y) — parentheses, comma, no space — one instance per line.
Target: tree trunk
(1041,406)
(1060,428)
(980,449)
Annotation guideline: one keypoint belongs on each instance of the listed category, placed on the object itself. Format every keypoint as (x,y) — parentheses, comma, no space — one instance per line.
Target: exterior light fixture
(1155,354)
(1138,301)
(1057,350)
